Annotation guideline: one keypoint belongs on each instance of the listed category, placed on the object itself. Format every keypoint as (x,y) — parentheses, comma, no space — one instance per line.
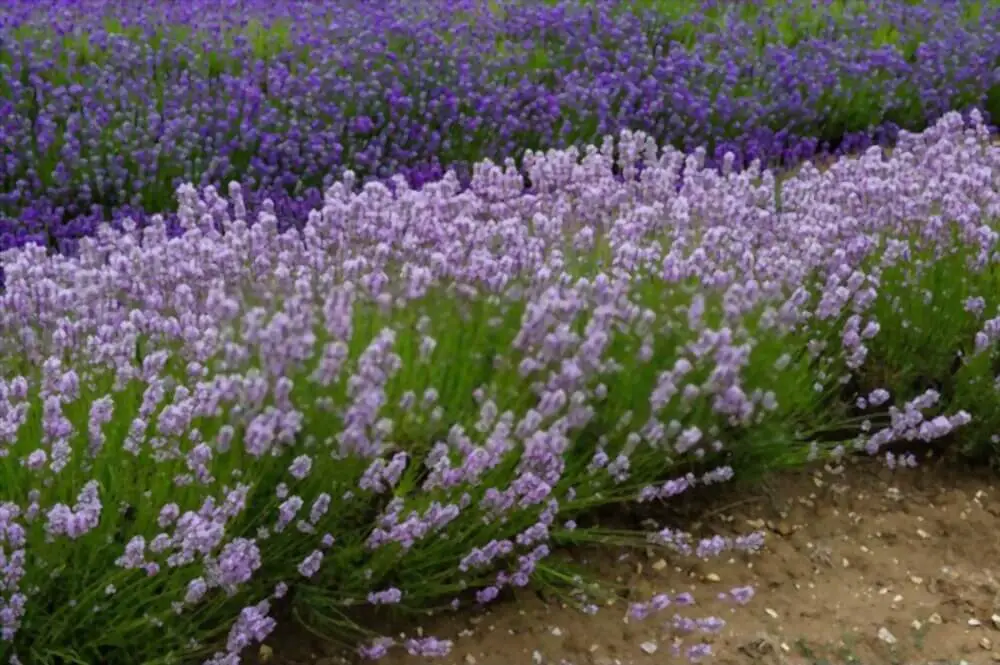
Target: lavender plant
(413,400)
(108,106)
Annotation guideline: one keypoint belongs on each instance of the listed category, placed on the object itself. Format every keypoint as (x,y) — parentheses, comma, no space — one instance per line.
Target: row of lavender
(414,399)
(107,106)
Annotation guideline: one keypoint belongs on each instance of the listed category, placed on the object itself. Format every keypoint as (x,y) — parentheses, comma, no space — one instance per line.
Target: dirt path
(869,566)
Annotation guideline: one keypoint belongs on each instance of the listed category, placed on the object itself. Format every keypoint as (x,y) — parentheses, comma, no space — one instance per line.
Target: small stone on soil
(886,636)
(782,528)
(649,647)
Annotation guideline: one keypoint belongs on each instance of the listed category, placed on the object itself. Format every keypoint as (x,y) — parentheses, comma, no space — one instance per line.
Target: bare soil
(865,566)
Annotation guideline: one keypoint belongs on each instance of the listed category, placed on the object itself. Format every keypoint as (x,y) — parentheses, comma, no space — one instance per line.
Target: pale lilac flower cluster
(910,424)
(13,558)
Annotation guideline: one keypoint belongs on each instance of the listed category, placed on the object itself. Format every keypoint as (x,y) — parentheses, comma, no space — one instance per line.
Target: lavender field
(330,313)
(109,105)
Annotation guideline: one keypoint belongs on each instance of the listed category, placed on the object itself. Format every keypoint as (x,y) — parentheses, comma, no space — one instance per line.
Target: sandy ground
(866,566)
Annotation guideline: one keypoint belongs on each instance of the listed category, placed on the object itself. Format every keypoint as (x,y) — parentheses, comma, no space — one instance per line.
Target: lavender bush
(412,400)
(108,106)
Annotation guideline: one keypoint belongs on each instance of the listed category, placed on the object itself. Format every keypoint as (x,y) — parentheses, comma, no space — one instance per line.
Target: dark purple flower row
(107,106)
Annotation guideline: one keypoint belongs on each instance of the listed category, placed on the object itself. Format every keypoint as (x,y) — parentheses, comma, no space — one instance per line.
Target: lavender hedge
(107,106)
(412,400)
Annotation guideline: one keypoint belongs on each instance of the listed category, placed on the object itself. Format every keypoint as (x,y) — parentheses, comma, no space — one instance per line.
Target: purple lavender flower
(698,652)
(310,565)
(196,590)
(300,467)
(742,595)
(428,647)
(878,397)
(77,521)
(487,595)
(237,563)
(378,648)
(390,596)
(252,626)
